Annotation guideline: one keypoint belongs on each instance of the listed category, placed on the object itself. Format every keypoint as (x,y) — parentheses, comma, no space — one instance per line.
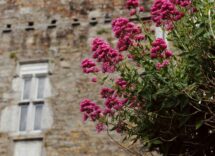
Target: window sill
(19,136)
(32,101)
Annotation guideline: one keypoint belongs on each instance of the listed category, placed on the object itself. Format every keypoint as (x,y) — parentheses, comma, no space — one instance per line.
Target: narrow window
(38,116)
(27,88)
(23,117)
(41,87)
(35,79)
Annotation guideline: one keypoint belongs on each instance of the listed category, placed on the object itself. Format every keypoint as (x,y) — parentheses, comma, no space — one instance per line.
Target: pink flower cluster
(94,79)
(159,50)
(88,66)
(113,104)
(90,110)
(182,3)
(104,53)
(127,32)
(132,4)
(100,127)
(106,92)
(165,13)
(134,11)
(122,83)
(164,64)
(112,101)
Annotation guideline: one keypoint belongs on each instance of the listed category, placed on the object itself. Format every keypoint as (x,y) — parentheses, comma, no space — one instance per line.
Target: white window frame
(32,70)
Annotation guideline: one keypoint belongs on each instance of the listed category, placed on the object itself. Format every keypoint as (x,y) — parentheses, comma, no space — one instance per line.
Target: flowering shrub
(160,97)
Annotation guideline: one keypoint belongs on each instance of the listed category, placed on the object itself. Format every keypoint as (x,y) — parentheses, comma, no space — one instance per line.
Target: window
(28,148)
(34,90)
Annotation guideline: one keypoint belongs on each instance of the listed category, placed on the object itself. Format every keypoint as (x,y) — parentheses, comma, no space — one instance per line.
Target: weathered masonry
(41,45)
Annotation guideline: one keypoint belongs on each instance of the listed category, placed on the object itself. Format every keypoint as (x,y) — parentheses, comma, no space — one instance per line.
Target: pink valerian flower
(132,4)
(133,12)
(124,101)
(88,66)
(124,43)
(165,13)
(100,127)
(108,67)
(158,45)
(141,9)
(120,127)
(118,26)
(114,103)
(182,3)
(104,53)
(164,64)
(94,79)
(193,10)
(168,53)
(130,56)
(139,37)
(122,83)
(108,111)
(125,31)
(159,49)
(90,110)
(107,92)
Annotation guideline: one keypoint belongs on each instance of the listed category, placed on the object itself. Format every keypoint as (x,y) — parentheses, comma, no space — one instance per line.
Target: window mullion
(34,88)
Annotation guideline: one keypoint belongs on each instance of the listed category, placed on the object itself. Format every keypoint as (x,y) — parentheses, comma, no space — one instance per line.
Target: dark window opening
(8,26)
(75,22)
(53,24)
(93,21)
(7,29)
(30,26)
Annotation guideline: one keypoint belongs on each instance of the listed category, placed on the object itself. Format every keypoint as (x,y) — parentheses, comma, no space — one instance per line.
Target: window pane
(27,88)
(23,117)
(41,87)
(38,116)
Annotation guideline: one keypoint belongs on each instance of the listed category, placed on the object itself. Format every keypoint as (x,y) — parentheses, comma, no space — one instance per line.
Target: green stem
(210,23)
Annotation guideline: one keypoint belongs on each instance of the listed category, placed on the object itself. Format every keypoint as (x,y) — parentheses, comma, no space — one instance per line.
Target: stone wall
(58,31)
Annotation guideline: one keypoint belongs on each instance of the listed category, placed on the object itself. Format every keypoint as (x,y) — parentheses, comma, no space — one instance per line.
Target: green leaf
(105,78)
(199,124)
(156,142)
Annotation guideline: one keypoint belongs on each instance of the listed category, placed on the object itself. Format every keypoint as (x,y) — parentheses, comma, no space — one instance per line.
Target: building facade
(41,85)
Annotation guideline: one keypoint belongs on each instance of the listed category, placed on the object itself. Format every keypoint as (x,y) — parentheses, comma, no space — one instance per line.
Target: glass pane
(27,88)
(38,116)
(23,117)
(41,87)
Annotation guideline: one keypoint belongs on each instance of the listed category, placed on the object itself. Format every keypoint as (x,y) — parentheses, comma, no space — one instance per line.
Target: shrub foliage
(160,95)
